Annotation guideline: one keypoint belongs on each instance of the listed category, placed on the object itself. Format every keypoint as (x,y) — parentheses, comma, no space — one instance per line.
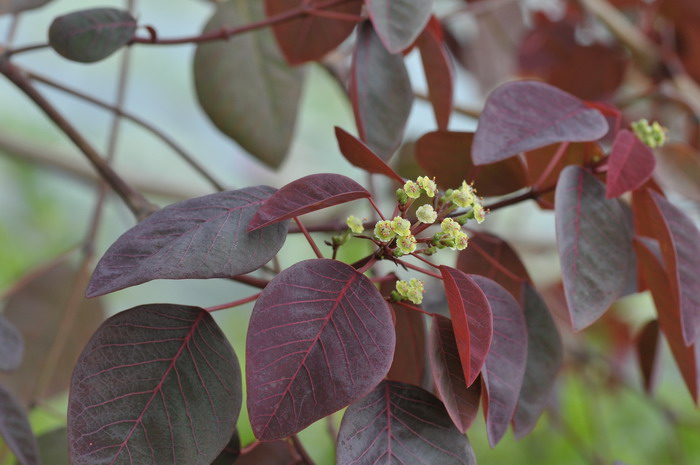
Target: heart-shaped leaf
(245,86)
(15,6)
(545,355)
(309,37)
(630,164)
(399,22)
(471,319)
(358,154)
(15,430)
(11,345)
(401,424)
(306,195)
(648,345)
(231,452)
(594,236)
(381,93)
(91,35)
(438,71)
(156,384)
(320,337)
(525,115)
(199,238)
(505,364)
(462,402)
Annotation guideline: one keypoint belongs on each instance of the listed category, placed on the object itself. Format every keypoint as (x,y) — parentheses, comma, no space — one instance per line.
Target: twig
(308,237)
(418,268)
(235,303)
(411,307)
(26,48)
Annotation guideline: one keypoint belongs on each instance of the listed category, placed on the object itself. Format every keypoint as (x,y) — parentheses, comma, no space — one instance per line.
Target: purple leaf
(358,154)
(471,319)
(11,345)
(231,452)
(320,337)
(91,35)
(505,364)
(401,424)
(399,22)
(156,384)
(630,165)
(544,359)
(410,364)
(594,237)
(462,402)
(439,74)
(305,195)
(381,93)
(199,238)
(15,430)
(526,115)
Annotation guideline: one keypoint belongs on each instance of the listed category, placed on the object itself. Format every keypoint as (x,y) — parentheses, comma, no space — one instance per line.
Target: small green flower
(412,290)
(412,189)
(461,240)
(406,244)
(401,196)
(401,226)
(428,185)
(426,214)
(383,231)
(653,135)
(355,224)
(464,196)
(479,212)
(450,227)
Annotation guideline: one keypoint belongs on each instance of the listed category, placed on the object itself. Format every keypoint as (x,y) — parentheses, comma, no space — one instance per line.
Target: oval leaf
(199,238)
(399,22)
(381,93)
(11,345)
(15,430)
(630,165)
(305,195)
(438,71)
(471,319)
(594,237)
(545,355)
(462,402)
(399,424)
(320,337)
(309,37)
(91,35)
(358,154)
(526,115)
(156,384)
(244,85)
(15,6)
(505,364)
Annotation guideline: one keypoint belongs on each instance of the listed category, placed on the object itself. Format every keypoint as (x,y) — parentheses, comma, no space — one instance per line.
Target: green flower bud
(426,214)
(653,135)
(401,196)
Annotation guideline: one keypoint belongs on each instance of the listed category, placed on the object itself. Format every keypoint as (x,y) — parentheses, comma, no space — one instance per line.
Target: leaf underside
(16,431)
(399,22)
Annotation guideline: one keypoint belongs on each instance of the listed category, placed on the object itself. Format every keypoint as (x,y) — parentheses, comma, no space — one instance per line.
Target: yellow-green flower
(412,189)
(461,240)
(412,290)
(428,185)
(426,214)
(450,227)
(653,135)
(355,224)
(383,231)
(401,226)
(406,244)
(479,212)
(464,196)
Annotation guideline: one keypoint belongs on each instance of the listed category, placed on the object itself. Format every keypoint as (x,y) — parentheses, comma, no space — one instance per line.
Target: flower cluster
(409,290)
(422,185)
(653,135)
(451,235)
(465,197)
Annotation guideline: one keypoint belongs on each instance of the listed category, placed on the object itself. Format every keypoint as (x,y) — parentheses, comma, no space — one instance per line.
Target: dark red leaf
(11,345)
(381,93)
(649,354)
(310,37)
(594,237)
(53,447)
(545,355)
(410,363)
(306,195)
(358,154)
(398,22)
(462,402)
(491,256)
(269,453)
(231,452)
(320,337)
(471,319)
(156,384)
(679,239)
(668,311)
(525,115)
(446,156)
(401,424)
(504,368)
(199,238)
(438,71)
(630,165)
(16,6)
(15,430)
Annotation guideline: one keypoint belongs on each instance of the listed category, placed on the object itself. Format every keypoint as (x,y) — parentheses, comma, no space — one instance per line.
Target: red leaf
(16,431)
(462,402)
(630,165)
(594,237)
(505,364)
(526,115)
(649,354)
(320,337)
(410,357)
(309,37)
(381,93)
(398,22)
(438,71)
(446,156)
(471,319)
(358,154)
(306,195)
(679,239)
(400,424)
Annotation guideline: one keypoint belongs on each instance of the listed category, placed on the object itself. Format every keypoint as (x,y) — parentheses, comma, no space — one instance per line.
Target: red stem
(235,303)
(376,208)
(419,269)
(411,307)
(308,237)
(428,262)
(552,163)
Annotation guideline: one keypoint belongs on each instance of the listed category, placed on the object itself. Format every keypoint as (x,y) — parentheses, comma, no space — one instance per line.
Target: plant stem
(376,208)
(251,281)
(235,303)
(531,194)
(418,268)
(411,307)
(308,237)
